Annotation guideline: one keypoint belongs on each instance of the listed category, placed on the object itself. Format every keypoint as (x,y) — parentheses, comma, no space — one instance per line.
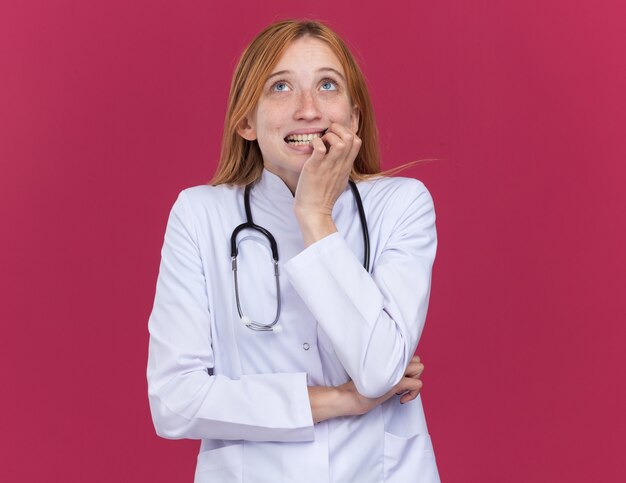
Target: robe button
(306,346)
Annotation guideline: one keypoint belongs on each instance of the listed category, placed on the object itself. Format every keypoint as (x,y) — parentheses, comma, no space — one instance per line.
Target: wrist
(315,226)
(352,403)
(328,402)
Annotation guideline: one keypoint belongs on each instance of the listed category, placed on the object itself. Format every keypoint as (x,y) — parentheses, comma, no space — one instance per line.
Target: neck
(289,178)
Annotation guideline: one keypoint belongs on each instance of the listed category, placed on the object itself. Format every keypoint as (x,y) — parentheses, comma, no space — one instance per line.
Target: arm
(374,322)
(345,400)
(186,399)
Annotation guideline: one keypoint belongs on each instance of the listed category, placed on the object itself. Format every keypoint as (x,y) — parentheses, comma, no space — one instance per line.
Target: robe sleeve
(374,322)
(186,399)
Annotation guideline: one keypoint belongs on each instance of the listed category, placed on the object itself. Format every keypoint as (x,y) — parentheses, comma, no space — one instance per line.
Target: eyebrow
(323,69)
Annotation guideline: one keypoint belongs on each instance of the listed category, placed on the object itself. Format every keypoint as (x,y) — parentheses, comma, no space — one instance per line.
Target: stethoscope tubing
(250,225)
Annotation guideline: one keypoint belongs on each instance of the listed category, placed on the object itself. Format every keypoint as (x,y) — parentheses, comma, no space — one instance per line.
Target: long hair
(241,161)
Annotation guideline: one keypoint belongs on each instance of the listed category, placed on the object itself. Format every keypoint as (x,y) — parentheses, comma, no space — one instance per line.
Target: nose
(307,107)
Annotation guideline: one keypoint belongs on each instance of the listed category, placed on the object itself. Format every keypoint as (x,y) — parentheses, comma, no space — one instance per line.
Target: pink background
(109,109)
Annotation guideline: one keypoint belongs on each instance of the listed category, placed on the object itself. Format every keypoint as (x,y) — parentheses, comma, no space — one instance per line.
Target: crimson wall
(109,109)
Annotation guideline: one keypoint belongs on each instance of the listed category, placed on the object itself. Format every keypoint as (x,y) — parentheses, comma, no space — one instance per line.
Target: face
(305,92)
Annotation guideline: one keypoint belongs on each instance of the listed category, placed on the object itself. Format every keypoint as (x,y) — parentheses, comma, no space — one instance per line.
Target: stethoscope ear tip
(246,320)
(277,328)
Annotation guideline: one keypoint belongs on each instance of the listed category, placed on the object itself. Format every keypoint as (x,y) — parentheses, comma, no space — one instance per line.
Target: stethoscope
(249,224)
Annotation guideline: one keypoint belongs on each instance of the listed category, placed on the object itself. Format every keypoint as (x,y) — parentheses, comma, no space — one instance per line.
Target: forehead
(308,53)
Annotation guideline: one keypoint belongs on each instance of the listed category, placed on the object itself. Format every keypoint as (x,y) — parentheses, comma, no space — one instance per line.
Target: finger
(412,394)
(345,157)
(348,138)
(354,150)
(409,396)
(407,384)
(319,151)
(319,148)
(413,360)
(342,131)
(336,146)
(414,369)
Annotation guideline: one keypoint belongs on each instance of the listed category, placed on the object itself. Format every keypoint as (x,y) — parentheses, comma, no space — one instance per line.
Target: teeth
(302,139)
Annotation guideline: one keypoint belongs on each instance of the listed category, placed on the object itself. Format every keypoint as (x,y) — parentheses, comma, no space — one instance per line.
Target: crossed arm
(345,400)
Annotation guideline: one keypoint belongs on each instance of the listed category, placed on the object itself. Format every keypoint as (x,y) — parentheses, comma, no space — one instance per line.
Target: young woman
(290,301)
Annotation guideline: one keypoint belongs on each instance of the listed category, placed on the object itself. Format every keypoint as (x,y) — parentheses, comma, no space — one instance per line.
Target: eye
(280,86)
(329,85)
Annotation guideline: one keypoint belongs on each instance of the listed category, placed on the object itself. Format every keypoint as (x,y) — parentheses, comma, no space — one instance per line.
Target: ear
(246,130)
(354,118)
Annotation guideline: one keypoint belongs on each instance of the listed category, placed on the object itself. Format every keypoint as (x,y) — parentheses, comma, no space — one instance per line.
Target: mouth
(303,139)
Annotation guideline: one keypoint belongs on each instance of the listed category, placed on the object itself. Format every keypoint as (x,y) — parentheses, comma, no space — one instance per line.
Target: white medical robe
(244,392)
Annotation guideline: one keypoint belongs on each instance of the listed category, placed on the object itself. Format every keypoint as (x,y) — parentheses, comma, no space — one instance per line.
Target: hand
(411,384)
(325,174)
(408,388)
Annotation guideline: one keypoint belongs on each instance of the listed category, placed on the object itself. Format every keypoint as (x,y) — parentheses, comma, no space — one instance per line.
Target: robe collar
(272,185)
(274,188)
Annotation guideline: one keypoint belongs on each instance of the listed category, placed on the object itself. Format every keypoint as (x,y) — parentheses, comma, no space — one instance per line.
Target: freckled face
(303,95)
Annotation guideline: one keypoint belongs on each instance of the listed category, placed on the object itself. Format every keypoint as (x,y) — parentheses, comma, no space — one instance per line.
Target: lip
(306,148)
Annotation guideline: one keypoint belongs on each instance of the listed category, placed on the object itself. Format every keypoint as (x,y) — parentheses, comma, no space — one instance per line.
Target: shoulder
(396,192)
(200,198)
(205,193)
(202,205)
